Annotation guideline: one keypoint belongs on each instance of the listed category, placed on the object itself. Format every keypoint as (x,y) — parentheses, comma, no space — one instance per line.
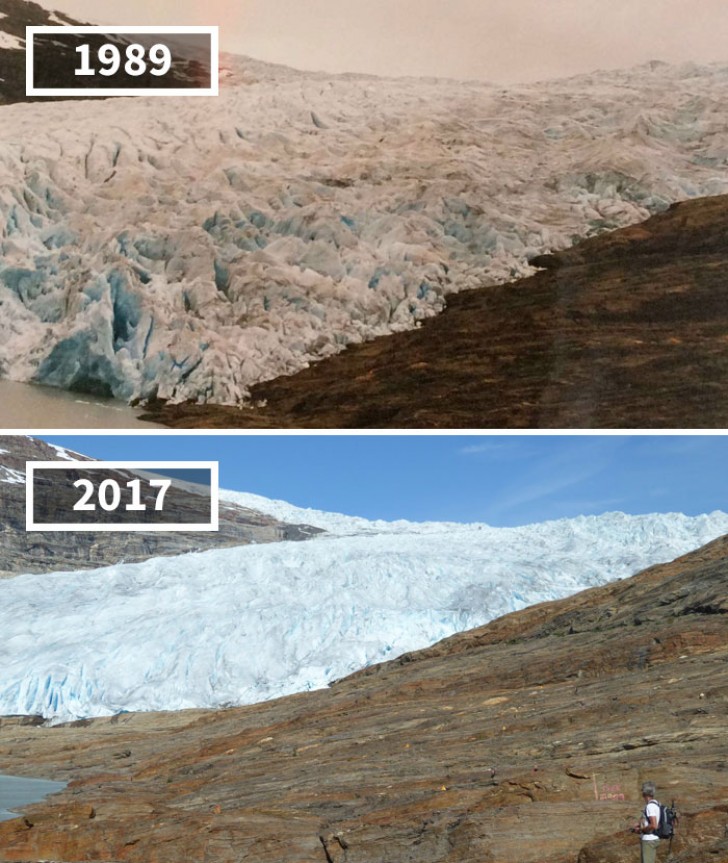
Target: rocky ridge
(525,740)
(624,330)
(48,552)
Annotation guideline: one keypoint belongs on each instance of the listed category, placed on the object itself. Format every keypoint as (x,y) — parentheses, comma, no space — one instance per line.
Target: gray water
(27,406)
(16,791)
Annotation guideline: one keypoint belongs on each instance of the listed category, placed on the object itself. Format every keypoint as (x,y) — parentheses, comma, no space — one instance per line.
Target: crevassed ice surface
(189,248)
(241,625)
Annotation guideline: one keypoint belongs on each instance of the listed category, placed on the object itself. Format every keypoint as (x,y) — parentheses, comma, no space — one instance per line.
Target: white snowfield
(189,248)
(7,40)
(334,522)
(242,625)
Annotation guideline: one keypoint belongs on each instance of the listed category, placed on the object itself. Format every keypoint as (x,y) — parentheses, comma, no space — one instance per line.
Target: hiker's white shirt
(652,810)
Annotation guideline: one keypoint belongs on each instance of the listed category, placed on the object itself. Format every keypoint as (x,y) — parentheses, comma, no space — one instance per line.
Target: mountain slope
(239,625)
(16,15)
(625,330)
(23,552)
(572,704)
(188,250)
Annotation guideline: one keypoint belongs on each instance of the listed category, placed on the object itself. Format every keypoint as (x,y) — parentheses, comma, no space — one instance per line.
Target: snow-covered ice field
(241,625)
(191,248)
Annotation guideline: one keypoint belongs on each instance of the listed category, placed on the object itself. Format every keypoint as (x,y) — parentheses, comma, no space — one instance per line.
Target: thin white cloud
(572,467)
(486,449)
(543,489)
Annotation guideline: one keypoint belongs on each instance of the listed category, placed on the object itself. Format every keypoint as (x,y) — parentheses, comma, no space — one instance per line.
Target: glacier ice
(241,625)
(190,249)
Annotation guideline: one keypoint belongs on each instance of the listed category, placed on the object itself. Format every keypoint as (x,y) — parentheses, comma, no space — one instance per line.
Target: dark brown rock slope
(572,704)
(21,551)
(628,329)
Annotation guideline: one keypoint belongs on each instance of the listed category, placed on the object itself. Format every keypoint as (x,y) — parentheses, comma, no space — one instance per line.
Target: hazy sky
(503,480)
(499,40)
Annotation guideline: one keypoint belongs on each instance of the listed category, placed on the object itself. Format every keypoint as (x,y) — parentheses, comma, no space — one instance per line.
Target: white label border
(212,90)
(212,466)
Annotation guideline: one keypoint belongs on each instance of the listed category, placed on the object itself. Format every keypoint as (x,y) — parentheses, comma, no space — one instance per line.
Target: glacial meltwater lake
(16,791)
(27,406)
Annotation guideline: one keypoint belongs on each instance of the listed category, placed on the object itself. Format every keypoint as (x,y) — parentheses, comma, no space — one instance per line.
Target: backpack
(667,821)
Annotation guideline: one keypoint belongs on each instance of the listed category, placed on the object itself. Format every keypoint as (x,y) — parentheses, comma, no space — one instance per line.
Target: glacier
(188,249)
(241,625)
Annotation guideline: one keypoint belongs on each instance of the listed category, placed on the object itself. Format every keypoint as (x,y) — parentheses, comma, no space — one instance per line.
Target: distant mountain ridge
(22,552)
(15,16)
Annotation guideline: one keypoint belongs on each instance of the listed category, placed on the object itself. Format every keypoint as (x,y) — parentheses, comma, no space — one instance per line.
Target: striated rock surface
(627,329)
(47,552)
(523,741)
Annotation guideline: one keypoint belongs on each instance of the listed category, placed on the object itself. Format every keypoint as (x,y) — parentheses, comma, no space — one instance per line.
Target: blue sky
(502,480)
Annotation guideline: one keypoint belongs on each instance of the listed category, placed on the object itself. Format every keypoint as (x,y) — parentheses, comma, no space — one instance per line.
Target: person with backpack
(648,824)
(652,824)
